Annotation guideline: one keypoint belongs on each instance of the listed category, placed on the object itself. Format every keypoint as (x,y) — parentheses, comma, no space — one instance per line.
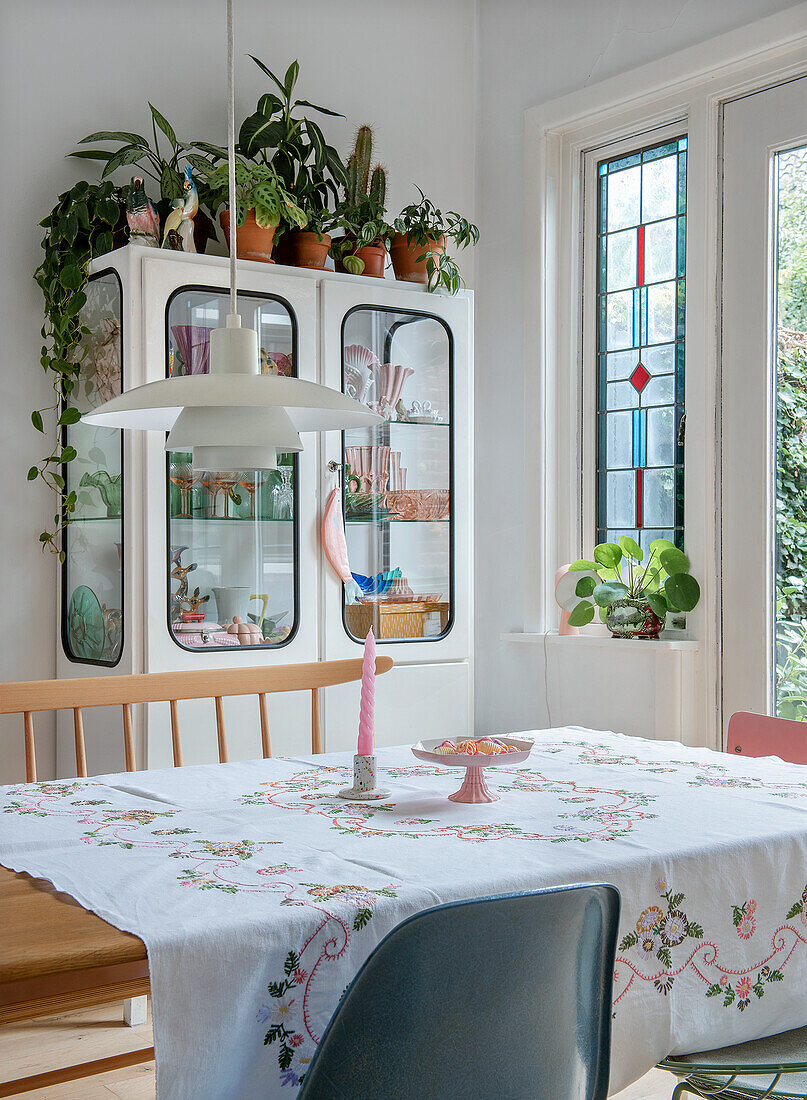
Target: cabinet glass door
(92,579)
(232,534)
(398,476)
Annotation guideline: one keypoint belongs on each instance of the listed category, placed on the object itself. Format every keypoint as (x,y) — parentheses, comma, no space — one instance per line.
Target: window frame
(587,366)
(686,88)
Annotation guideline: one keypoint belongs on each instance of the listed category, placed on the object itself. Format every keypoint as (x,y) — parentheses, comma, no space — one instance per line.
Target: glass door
(92,577)
(232,534)
(398,476)
(764,385)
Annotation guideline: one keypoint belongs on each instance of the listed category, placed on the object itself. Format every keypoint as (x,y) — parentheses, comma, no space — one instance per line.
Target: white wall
(70,67)
(446,117)
(531,53)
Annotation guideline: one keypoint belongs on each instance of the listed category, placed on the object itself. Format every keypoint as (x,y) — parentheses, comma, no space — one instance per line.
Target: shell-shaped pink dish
(474,788)
(357,355)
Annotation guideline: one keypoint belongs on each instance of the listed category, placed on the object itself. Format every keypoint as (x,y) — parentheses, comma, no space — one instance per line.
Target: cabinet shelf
(399,424)
(227,520)
(94,519)
(364,520)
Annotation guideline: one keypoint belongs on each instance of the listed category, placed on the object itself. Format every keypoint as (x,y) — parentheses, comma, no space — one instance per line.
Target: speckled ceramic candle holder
(364,781)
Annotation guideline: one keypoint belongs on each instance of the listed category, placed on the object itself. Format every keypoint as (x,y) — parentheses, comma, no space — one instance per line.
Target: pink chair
(760,735)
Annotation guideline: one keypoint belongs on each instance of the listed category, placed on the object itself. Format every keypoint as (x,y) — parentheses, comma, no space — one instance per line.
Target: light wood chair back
(28,697)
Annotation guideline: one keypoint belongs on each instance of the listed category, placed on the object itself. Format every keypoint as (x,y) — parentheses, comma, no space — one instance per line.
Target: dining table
(259,892)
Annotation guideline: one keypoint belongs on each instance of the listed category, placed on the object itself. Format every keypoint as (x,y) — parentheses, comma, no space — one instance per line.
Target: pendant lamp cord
(231,155)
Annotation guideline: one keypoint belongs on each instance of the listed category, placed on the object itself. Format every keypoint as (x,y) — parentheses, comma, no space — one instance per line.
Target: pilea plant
(362,212)
(82,225)
(427,227)
(663,582)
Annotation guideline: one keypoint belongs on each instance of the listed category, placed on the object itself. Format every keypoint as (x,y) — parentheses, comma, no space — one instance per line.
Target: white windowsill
(586,641)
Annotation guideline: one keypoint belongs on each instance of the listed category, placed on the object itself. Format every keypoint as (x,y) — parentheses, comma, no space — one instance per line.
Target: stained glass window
(641,287)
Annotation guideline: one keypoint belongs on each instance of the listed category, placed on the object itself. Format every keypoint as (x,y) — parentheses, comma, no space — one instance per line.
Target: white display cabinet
(161,558)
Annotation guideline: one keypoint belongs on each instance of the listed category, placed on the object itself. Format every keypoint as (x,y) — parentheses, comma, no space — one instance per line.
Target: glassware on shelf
(248,554)
(399,515)
(227,482)
(210,480)
(185,478)
(283,494)
(252,480)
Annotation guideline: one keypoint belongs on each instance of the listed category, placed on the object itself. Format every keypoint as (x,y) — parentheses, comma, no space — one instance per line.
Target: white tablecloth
(258,892)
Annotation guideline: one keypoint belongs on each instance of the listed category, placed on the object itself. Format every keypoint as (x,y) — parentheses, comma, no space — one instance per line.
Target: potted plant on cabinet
(311,170)
(261,203)
(635,604)
(167,172)
(362,249)
(309,247)
(418,248)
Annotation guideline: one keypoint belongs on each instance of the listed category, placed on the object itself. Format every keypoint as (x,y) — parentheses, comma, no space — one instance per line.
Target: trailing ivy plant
(80,227)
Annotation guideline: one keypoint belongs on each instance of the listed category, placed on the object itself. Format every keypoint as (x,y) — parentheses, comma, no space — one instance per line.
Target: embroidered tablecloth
(259,892)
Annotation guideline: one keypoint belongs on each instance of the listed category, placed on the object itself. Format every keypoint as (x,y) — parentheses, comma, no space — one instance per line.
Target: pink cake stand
(474,788)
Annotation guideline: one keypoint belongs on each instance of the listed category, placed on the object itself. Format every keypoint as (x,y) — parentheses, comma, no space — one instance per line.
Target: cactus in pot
(361,214)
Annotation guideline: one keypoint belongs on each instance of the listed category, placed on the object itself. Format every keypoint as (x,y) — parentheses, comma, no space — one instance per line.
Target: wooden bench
(56,956)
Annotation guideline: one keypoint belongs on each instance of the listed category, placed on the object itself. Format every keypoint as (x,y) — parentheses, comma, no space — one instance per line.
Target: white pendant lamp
(233,418)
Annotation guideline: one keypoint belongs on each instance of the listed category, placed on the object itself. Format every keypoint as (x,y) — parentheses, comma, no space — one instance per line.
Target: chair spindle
(30,748)
(316,730)
(128,737)
(176,744)
(265,741)
(222,737)
(81,750)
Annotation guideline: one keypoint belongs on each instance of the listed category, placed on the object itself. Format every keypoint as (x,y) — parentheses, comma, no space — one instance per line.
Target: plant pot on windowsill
(635,601)
(253,242)
(631,618)
(305,248)
(373,256)
(408,268)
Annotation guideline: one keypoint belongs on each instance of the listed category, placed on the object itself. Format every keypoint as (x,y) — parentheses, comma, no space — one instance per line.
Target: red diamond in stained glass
(640,378)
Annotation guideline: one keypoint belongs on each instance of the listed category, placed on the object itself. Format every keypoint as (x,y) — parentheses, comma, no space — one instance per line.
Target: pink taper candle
(367,708)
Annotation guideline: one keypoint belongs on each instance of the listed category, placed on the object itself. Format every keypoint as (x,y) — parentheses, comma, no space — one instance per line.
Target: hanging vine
(81,226)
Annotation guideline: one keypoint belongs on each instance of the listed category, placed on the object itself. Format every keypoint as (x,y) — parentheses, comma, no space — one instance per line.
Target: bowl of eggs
(474,754)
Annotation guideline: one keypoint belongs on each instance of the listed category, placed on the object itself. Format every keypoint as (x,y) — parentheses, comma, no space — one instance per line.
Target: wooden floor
(100,1032)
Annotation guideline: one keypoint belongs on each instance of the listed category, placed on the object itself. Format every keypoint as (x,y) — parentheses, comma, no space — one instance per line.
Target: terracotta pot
(305,249)
(252,242)
(404,257)
(374,256)
(630,618)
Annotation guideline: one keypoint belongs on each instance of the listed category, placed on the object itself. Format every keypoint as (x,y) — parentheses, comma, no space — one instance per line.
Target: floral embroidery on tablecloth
(287,1009)
(744,920)
(711,775)
(605,814)
(661,928)
(799,908)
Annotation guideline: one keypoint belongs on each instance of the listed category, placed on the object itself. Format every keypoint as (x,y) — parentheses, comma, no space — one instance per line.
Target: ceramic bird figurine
(143,219)
(181,217)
